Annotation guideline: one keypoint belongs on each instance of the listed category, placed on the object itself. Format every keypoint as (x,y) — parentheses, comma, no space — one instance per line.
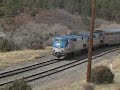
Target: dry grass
(10,58)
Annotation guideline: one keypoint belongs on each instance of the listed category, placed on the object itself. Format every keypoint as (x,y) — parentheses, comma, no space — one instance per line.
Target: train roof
(109,30)
(88,34)
(69,37)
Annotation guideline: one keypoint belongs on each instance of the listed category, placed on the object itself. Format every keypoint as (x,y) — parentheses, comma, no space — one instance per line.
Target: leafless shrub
(6,45)
(19,85)
(101,74)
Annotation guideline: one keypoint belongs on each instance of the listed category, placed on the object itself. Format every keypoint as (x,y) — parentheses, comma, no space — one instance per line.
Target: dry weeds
(10,58)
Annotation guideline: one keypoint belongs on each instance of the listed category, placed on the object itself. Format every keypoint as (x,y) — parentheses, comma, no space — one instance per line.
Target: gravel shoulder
(74,78)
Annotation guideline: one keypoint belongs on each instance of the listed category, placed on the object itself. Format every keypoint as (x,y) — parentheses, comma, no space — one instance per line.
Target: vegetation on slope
(108,9)
(23,20)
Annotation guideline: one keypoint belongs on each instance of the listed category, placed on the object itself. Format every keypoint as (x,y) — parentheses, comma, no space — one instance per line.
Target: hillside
(24,29)
(31,24)
(40,28)
(34,32)
(106,9)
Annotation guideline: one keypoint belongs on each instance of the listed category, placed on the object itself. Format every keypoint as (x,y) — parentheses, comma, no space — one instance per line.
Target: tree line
(107,9)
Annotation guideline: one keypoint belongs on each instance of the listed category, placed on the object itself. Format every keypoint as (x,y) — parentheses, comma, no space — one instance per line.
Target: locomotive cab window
(61,43)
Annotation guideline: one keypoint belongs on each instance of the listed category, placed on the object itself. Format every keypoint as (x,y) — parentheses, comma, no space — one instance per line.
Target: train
(67,45)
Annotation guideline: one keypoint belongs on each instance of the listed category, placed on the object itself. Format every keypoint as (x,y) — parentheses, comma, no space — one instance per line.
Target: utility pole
(91,41)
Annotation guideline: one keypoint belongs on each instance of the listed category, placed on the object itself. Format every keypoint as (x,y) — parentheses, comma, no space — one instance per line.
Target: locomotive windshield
(60,43)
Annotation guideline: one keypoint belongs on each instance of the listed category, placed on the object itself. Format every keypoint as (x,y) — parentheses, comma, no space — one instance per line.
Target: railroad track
(50,71)
(27,68)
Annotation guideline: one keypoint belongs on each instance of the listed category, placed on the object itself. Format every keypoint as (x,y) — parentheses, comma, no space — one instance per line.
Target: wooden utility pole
(91,41)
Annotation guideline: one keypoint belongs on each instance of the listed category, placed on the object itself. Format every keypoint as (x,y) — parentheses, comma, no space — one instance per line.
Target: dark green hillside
(107,9)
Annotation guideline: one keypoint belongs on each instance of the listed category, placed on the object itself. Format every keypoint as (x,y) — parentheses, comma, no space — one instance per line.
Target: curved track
(50,71)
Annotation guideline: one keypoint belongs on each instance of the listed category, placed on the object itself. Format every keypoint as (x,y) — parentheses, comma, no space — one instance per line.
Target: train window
(60,40)
(75,39)
(106,33)
(116,33)
(84,45)
(82,38)
(88,38)
(111,33)
(101,41)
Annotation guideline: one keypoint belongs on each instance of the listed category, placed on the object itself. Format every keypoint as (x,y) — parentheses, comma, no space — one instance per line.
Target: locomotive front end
(59,46)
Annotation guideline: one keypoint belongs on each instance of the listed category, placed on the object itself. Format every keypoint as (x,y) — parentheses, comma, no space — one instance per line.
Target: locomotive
(64,46)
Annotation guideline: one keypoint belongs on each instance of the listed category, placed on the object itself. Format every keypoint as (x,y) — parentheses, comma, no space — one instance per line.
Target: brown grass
(10,58)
